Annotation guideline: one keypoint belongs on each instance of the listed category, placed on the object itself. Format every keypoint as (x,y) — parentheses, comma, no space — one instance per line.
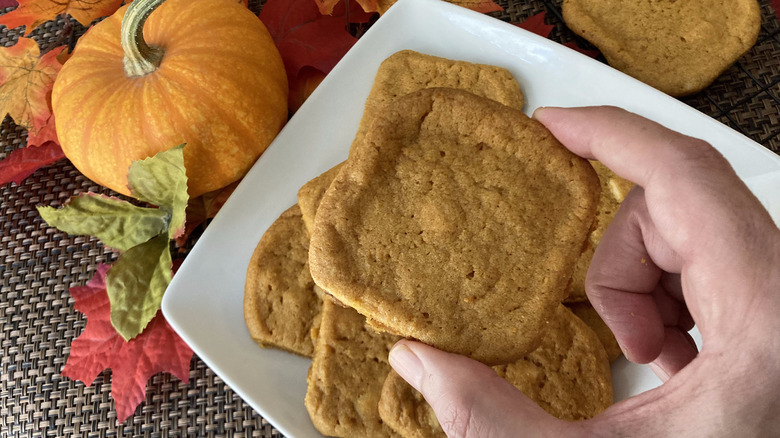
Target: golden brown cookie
(280,305)
(678,47)
(405,72)
(310,195)
(614,190)
(346,376)
(588,314)
(406,411)
(568,376)
(408,71)
(457,222)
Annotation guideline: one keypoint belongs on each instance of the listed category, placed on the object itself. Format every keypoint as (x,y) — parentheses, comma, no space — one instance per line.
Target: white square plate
(204,301)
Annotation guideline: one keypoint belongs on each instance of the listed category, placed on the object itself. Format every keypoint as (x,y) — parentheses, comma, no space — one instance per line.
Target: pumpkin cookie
(588,314)
(678,47)
(458,222)
(280,305)
(614,190)
(310,195)
(408,71)
(346,376)
(568,376)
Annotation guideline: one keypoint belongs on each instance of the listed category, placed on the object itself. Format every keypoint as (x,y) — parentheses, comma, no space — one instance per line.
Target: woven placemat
(39,264)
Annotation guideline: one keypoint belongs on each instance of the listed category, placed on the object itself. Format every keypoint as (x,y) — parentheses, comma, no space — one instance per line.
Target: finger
(468,397)
(621,279)
(668,306)
(697,204)
(685,175)
(679,350)
(671,283)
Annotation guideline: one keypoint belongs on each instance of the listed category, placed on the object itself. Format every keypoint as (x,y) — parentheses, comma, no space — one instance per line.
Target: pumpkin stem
(140,59)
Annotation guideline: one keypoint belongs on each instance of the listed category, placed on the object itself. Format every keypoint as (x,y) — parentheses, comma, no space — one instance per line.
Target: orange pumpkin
(201,72)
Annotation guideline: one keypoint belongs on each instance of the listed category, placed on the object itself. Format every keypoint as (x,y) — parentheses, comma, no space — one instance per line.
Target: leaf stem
(140,58)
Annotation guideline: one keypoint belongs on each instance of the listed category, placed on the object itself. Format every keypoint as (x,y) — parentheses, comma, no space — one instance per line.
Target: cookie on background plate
(678,47)
(568,376)
(346,376)
(280,305)
(458,222)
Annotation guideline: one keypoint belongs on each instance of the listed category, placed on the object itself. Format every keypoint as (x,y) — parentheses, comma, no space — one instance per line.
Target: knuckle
(698,154)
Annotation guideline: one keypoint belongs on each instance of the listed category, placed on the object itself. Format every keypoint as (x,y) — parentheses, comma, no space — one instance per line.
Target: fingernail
(406,363)
(537,112)
(663,375)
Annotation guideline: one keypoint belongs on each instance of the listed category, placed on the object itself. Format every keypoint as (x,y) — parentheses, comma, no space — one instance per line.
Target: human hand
(689,244)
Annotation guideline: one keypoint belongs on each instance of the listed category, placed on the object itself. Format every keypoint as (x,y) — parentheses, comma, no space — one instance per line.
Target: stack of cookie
(457,221)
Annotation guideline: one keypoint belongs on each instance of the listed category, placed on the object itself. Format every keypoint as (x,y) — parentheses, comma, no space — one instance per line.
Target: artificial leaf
(305,37)
(136,284)
(536,24)
(21,163)
(33,13)
(26,79)
(133,363)
(302,85)
(202,208)
(46,134)
(118,224)
(587,52)
(162,180)
(776,6)
(326,6)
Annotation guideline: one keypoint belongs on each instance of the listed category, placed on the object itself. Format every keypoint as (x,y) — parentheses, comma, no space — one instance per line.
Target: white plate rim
(409,24)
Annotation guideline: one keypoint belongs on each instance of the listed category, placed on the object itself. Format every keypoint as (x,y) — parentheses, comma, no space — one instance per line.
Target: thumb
(468,397)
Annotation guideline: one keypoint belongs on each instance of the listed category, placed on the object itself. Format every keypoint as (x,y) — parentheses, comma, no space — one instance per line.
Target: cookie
(408,71)
(458,222)
(310,195)
(678,47)
(568,376)
(280,305)
(346,376)
(614,190)
(588,314)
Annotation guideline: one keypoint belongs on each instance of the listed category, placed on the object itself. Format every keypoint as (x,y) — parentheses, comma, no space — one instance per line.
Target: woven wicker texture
(38,265)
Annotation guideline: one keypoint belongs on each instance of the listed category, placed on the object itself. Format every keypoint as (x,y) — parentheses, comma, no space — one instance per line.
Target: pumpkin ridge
(175,111)
(170,109)
(84,155)
(209,101)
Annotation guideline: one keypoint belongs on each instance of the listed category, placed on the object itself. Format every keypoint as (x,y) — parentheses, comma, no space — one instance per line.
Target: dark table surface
(39,264)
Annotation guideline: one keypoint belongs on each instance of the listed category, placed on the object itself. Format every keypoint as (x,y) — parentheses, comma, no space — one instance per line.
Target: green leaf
(118,224)
(136,283)
(161,180)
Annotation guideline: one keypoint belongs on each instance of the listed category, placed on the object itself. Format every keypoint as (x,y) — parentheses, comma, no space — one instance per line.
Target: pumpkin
(201,72)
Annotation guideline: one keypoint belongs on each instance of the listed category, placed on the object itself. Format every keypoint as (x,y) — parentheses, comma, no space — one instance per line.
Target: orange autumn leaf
(32,13)
(484,6)
(302,85)
(26,79)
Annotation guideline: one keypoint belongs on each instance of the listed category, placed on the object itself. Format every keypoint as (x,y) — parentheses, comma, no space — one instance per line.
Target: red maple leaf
(535,24)
(21,163)
(157,349)
(587,52)
(305,37)
(776,6)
